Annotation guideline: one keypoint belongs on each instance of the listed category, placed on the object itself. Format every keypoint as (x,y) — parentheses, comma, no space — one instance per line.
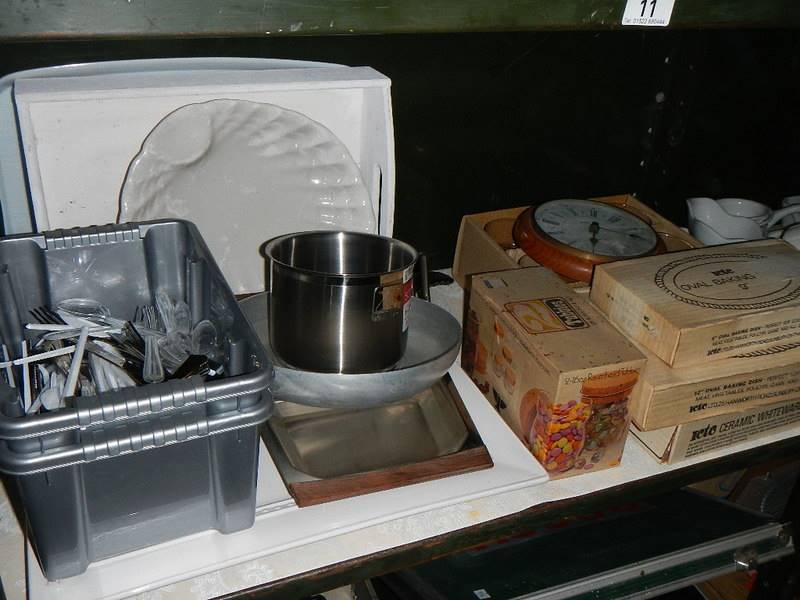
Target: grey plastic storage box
(128,469)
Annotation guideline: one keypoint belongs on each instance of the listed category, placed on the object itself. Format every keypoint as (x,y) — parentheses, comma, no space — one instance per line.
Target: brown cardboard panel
(672,444)
(557,371)
(707,303)
(673,395)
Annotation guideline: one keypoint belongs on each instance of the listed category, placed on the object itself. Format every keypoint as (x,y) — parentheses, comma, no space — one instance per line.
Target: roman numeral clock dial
(571,236)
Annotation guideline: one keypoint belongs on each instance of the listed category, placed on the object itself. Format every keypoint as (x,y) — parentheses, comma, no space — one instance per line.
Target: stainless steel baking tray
(320,443)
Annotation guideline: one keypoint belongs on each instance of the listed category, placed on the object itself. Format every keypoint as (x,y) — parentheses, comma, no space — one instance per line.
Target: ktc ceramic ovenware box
(689,440)
(675,395)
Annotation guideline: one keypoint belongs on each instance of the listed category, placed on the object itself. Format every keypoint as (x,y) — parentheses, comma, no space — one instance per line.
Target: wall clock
(572,236)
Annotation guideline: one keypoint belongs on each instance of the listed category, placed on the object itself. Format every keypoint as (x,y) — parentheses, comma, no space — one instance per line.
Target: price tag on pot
(408,291)
(393,296)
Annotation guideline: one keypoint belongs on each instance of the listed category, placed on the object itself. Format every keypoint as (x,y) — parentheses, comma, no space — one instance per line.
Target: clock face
(595,228)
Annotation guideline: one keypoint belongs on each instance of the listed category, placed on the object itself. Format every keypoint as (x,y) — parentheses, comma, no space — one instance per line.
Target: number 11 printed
(648,13)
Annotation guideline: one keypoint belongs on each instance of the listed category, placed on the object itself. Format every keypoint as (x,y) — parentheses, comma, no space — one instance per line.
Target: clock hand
(624,232)
(594,228)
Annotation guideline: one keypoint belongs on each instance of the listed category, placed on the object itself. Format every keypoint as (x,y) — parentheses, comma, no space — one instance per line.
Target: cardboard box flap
(473,255)
(657,441)
(709,284)
(535,303)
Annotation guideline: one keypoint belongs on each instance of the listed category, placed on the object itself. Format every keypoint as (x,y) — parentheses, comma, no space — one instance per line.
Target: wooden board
(473,456)
(309,493)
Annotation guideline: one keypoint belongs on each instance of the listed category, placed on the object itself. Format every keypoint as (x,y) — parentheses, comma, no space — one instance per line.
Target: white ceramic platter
(79,136)
(16,209)
(224,163)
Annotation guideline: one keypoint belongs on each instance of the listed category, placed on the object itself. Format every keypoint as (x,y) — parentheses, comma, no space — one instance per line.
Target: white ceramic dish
(750,209)
(729,220)
(16,208)
(710,223)
(79,134)
(793,218)
(223,163)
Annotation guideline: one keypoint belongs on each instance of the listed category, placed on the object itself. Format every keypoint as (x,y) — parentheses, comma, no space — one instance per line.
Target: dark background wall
(494,120)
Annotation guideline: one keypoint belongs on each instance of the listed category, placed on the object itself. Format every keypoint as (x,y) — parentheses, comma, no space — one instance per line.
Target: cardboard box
(478,252)
(672,444)
(560,373)
(668,395)
(705,304)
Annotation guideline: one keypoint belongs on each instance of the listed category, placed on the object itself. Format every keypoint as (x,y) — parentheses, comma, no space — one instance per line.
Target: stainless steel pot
(339,300)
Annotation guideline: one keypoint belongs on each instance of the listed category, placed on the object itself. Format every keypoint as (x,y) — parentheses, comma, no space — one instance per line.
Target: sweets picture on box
(557,372)
(581,432)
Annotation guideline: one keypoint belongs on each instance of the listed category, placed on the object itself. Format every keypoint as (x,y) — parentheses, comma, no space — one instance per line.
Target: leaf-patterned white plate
(245,172)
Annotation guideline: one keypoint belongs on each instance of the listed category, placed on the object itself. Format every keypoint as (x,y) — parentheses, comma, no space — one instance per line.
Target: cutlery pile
(78,348)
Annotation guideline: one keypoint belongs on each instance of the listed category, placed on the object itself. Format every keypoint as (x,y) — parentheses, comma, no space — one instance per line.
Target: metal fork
(47,316)
(153,371)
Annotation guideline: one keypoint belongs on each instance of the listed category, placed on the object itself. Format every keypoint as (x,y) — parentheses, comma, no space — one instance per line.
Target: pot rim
(269,245)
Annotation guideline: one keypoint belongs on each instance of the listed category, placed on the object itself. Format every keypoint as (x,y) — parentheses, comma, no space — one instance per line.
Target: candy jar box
(560,374)
(558,433)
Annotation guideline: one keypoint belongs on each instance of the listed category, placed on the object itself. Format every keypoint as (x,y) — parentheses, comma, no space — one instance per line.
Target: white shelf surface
(637,464)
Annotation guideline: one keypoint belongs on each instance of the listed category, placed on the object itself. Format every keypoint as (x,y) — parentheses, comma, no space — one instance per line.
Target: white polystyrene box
(79,134)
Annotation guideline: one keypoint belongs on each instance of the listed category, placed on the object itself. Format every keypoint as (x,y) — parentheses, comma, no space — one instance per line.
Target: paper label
(546,315)
(648,13)
(783,332)
(394,293)
(408,291)
(729,281)
(734,428)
